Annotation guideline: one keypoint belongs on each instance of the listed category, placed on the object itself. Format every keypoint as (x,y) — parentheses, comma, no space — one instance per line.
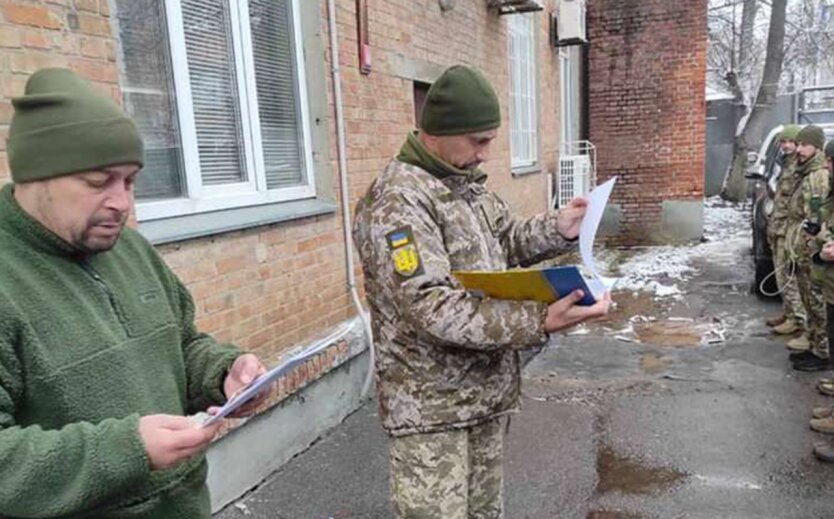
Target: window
(220,97)
(523,110)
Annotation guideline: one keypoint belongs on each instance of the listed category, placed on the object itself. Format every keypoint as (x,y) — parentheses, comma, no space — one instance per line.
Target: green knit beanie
(812,135)
(62,126)
(789,132)
(829,149)
(460,101)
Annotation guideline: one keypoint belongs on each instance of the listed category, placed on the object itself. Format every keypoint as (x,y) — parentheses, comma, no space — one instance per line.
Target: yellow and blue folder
(546,284)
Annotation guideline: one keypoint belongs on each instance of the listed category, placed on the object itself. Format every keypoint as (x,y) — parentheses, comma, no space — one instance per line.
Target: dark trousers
(829,325)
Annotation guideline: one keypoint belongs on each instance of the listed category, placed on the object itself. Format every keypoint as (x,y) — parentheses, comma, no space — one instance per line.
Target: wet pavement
(672,407)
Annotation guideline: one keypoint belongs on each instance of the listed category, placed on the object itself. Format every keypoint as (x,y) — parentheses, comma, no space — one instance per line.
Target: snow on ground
(659,270)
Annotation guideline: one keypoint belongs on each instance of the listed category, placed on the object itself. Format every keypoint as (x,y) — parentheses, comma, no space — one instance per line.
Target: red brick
(94,48)
(10,37)
(87,5)
(5,174)
(31,15)
(32,61)
(6,112)
(96,71)
(36,39)
(93,24)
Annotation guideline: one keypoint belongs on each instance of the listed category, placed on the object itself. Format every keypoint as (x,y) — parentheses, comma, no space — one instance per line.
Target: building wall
(647,113)
(273,287)
(415,40)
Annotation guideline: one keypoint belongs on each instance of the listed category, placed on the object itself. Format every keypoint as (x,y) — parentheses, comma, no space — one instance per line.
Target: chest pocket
(493,223)
(137,296)
(145,310)
(471,234)
(491,216)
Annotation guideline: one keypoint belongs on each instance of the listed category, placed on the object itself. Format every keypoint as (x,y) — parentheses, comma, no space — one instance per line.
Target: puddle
(611,514)
(628,305)
(619,474)
(669,333)
(679,333)
(675,332)
(652,364)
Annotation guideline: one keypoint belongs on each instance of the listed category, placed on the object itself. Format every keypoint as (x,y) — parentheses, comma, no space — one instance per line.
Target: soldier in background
(792,319)
(803,223)
(822,273)
(447,368)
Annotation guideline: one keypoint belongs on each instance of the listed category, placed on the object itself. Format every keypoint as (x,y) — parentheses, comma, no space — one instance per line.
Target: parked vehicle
(764,169)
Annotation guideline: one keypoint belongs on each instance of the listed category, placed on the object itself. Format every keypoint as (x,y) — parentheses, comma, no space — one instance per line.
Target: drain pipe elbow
(345,193)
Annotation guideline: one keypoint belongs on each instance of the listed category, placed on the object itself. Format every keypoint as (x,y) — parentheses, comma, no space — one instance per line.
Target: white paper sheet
(264,382)
(597,200)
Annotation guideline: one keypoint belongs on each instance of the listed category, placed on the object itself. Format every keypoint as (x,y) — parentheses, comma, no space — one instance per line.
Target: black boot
(812,364)
(802,356)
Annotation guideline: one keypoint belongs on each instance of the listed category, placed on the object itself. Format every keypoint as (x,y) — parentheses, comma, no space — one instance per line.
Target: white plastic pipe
(343,177)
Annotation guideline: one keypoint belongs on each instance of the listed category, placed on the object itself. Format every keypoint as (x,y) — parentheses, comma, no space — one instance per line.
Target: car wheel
(764,269)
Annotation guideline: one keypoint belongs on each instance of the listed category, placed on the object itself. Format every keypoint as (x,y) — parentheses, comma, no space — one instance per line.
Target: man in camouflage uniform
(447,365)
(822,273)
(792,319)
(804,219)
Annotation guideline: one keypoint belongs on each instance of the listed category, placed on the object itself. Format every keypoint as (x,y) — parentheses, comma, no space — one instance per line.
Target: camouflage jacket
(785,187)
(822,272)
(446,358)
(806,204)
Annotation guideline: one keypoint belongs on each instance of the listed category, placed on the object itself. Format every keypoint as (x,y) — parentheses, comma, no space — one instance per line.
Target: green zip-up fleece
(87,346)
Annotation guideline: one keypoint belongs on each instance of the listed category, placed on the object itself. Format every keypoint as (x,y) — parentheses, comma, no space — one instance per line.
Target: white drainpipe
(343,176)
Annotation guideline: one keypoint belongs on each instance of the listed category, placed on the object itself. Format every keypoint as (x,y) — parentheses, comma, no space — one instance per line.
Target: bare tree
(745,45)
(735,184)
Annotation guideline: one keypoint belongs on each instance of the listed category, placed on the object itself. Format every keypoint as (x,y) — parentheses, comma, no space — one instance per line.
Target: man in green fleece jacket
(100,360)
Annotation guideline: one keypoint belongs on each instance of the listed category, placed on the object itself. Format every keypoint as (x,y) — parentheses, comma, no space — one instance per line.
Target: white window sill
(520,171)
(179,228)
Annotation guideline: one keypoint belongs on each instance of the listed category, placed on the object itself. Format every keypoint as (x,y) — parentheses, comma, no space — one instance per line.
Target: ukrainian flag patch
(404,252)
(398,239)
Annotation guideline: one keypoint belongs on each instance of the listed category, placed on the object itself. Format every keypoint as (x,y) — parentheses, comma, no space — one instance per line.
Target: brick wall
(270,288)
(647,107)
(379,109)
(58,33)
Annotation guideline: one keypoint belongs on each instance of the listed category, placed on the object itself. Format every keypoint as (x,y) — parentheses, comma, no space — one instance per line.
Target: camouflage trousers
(814,304)
(449,475)
(787,283)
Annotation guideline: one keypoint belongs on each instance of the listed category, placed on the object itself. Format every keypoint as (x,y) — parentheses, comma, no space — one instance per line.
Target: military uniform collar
(815,162)
(415,153)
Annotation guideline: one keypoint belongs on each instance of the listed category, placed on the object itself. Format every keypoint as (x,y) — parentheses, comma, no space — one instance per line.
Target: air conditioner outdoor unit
(575,177)
(571,28)
(515,6)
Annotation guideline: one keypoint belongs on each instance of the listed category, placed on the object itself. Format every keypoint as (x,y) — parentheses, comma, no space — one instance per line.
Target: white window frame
(199,198)
(521,42)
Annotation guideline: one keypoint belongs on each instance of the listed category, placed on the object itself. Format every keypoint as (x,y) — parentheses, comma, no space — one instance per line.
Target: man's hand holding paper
(244,371)
(567,311)
(570,218)
(581,218)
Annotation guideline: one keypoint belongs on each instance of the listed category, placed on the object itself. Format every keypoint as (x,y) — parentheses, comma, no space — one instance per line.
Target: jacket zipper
(111,298)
